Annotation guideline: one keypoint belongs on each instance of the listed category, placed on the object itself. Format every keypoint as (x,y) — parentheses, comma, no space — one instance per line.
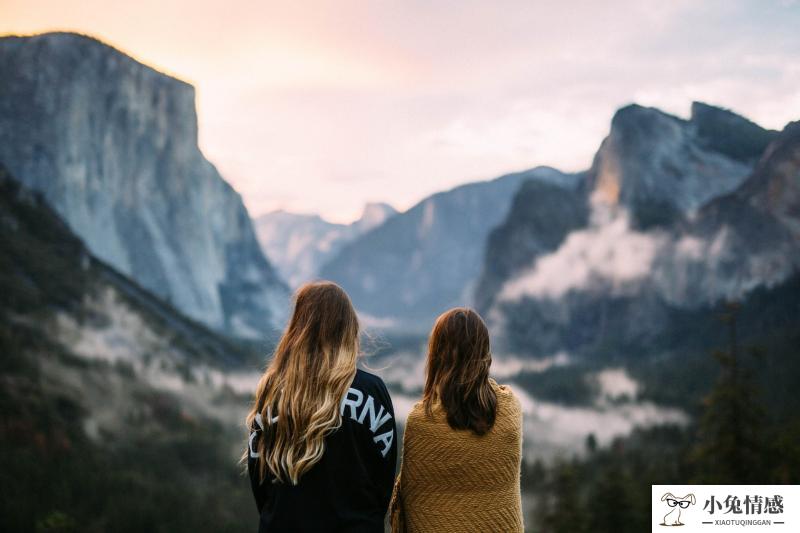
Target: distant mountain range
(673,214)
(298,245)
(406,271)
(112,145)
(670,215)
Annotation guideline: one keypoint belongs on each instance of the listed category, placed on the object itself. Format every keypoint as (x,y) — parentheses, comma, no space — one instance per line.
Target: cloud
(553,430)
(507,366)
(615,384)
(607,255)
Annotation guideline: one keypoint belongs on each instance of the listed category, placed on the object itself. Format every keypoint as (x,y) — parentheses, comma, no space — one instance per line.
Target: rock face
(541,216)
(658,165)
(422,261)
(52,283)
(727,133)
(751,236)
(112,145)
(774,187)
(298,245)
(673,215)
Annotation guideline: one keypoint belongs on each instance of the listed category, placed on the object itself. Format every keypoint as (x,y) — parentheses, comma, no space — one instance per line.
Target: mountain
(112,146)
(298,245)
(659,166)
(774,187)
(541,216)
(116,407)
(751,236)
(672,215)
(416,264)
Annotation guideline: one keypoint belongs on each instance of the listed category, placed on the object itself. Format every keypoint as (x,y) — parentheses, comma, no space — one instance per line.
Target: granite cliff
(112,145)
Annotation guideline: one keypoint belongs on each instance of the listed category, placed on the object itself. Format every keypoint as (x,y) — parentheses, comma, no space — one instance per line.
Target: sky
(320,107)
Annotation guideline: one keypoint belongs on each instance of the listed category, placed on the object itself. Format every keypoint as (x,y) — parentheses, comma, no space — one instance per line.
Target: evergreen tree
(591,444)
(729,448)
(617,501)
(564,513)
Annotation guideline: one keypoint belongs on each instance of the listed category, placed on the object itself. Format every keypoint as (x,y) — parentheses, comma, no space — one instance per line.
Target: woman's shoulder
(505,396)
(417,411)
(369,383)
(363,377)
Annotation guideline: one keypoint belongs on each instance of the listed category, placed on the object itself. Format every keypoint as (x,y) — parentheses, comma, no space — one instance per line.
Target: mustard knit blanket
(455,481)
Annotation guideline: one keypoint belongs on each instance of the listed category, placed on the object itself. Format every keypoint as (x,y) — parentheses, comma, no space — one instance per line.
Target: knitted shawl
(456,481)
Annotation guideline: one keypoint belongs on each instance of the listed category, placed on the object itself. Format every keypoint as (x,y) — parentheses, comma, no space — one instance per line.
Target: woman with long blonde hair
(321,453)
(462,448)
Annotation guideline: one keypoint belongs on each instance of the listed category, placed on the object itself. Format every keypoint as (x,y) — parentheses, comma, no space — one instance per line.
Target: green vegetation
(178,475)
(163,468)
(741,435)
(40,263)
(566,385)
(768,321)
(169,469)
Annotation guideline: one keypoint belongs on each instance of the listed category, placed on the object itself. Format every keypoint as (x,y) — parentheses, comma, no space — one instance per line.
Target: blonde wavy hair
(298,398)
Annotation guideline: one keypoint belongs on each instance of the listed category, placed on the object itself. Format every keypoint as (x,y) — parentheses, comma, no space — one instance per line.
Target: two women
(322,448)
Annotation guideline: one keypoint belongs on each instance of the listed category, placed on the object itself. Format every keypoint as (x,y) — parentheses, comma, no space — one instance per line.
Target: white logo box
(724,508)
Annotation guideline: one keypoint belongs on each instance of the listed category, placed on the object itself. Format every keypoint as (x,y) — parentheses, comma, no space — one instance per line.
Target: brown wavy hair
(459,357)
(298,397)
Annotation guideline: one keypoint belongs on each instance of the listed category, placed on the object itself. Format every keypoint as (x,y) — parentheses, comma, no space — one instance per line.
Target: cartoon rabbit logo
(675,504)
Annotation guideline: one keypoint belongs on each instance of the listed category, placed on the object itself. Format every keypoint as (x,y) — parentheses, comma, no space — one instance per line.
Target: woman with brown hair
(321,453)
(462,446)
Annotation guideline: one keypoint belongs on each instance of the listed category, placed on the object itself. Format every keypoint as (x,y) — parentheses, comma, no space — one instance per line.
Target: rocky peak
(373,215)
(541,216)
(774,186)
(730,134)
(655,164)
(112,145)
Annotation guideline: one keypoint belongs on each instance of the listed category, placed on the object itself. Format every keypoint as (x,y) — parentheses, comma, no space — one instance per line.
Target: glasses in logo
(674,503)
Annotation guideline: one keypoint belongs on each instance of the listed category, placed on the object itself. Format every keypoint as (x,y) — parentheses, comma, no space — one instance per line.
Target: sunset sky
(323,106)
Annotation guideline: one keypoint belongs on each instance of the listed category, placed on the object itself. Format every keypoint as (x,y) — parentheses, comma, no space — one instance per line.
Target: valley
(140,302)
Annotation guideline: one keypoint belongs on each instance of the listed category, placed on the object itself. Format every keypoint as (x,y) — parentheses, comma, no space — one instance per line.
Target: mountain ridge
(108,390)
(298,244)
(421,261)
(112,144)
(621,275)
(654,161)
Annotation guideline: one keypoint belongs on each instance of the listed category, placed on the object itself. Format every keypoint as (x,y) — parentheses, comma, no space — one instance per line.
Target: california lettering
(352,402)
(355,399)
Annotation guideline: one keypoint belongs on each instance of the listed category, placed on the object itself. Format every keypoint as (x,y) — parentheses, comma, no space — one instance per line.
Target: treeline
(741,434)
(167,469)
(170,472)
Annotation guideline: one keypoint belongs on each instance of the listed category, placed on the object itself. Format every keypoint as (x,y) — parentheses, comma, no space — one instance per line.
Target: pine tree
(730,449)
(564,513)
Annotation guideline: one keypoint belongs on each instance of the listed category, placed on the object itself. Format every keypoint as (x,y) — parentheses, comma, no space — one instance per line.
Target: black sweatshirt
(349,489)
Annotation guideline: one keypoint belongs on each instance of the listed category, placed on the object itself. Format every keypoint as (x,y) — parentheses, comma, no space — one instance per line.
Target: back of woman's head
(299,394)
(459,357)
